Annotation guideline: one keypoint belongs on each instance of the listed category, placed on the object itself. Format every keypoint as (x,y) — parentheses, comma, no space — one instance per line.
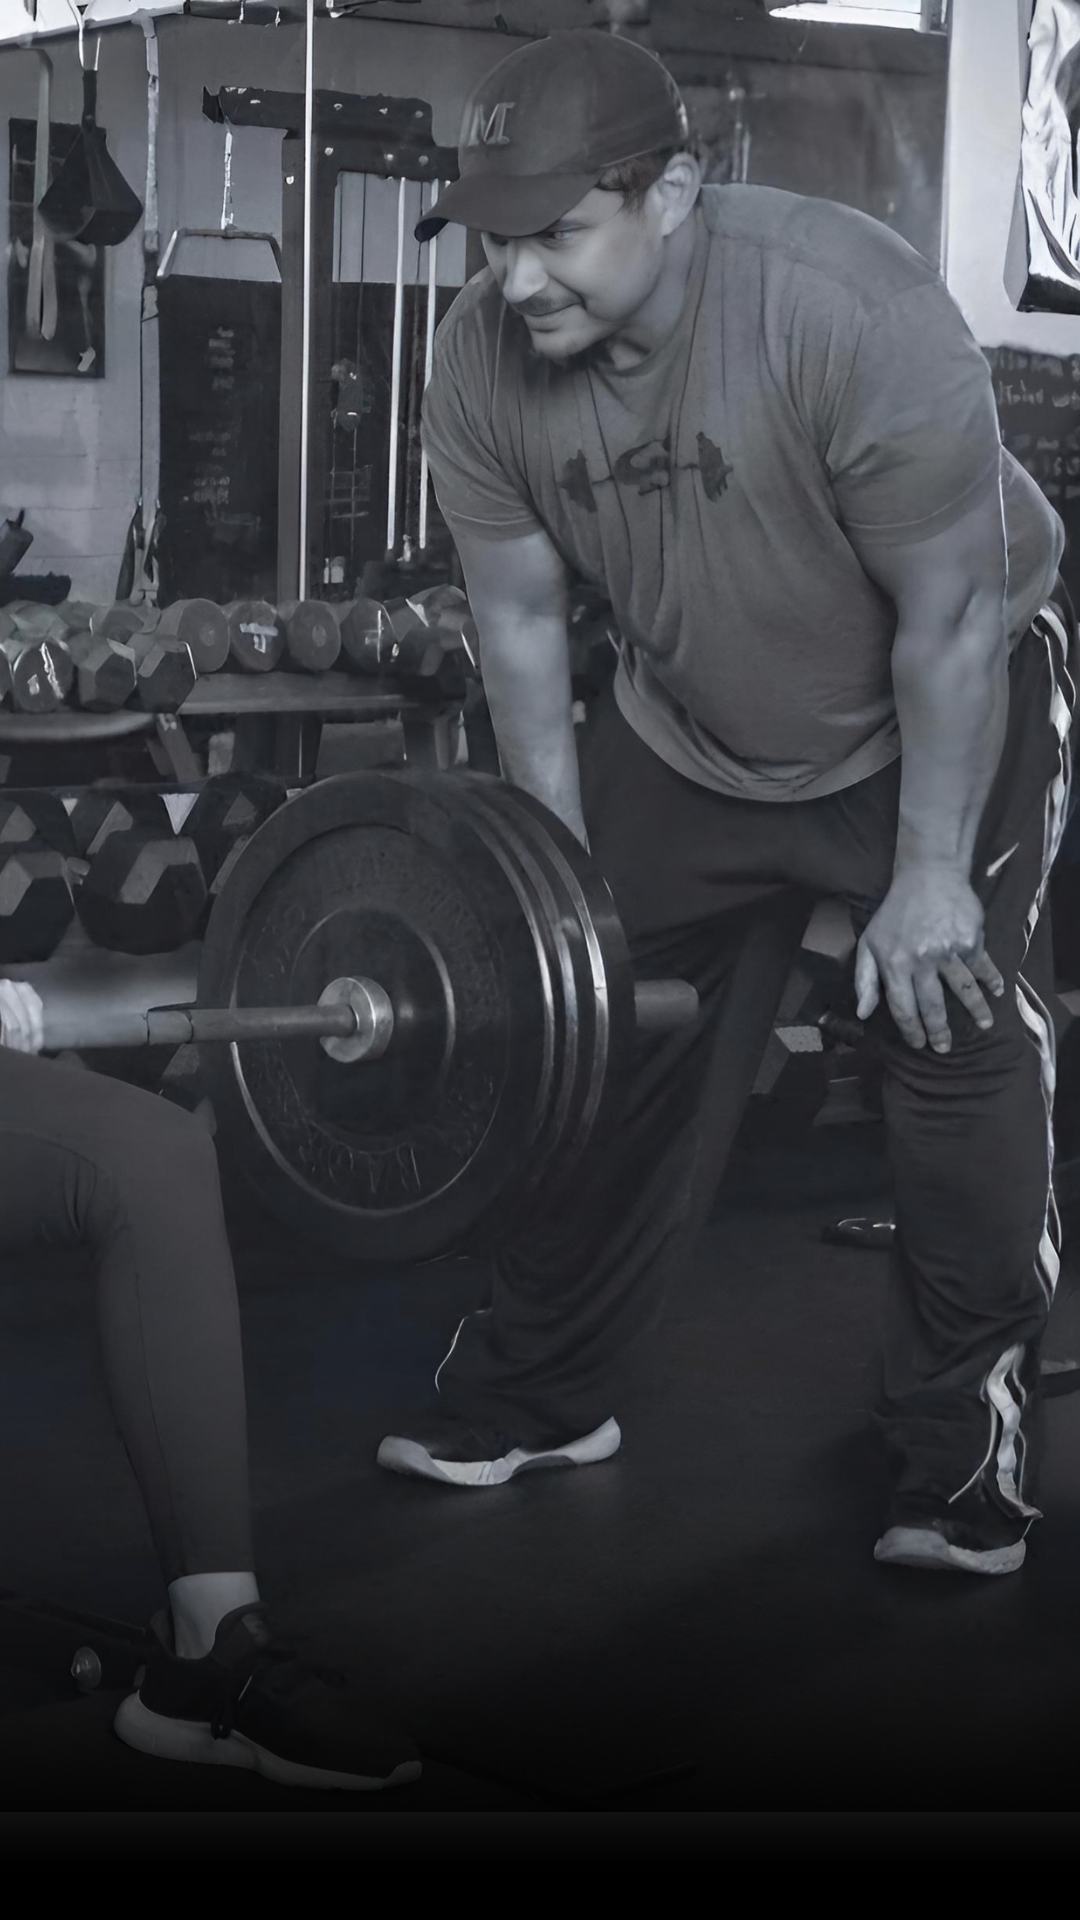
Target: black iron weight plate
(590,962)
(403,1159)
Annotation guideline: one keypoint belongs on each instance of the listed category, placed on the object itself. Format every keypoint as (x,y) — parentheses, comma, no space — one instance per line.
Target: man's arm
(950,677)
(517,591)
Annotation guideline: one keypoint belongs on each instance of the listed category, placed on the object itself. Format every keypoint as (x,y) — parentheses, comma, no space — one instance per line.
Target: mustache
(541,309)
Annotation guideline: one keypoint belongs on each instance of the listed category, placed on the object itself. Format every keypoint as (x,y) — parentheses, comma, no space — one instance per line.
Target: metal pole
(661,1005)
(395,382)
(305,349)
(429,357)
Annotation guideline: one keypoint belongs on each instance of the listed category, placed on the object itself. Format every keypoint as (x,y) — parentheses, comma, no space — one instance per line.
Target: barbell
(415,1014)
(353,1018)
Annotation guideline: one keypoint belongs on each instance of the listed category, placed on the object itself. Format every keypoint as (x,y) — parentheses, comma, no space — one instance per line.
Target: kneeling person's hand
(21,1017)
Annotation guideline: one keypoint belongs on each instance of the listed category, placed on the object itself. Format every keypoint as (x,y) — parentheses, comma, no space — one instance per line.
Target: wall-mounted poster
(1042,270)
(56,288)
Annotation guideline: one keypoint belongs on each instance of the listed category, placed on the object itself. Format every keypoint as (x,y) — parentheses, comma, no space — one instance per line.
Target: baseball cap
(543,125)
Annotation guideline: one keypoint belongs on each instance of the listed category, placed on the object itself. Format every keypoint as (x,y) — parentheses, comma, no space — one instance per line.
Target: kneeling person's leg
(87,1160)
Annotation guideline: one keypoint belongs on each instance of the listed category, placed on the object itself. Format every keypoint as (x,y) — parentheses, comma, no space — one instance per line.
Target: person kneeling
(89,1161)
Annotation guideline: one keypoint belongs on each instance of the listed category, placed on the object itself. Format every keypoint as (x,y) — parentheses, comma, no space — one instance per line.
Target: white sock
(199,1603)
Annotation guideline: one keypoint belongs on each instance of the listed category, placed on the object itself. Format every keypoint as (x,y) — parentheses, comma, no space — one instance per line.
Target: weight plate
(595,965)
(389,878)
(559,989)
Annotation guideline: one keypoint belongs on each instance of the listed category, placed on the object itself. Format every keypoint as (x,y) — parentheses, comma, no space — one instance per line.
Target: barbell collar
(662,1006)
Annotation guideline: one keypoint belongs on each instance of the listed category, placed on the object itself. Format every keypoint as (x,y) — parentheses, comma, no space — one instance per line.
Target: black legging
(89,1161)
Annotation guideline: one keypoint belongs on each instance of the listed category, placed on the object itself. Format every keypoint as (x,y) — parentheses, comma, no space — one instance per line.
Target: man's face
(585,278)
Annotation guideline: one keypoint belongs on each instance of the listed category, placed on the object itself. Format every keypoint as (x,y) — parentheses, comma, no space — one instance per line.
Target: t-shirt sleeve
(915,440)
(475,492)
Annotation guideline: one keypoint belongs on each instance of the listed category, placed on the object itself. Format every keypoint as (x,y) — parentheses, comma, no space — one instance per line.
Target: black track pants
(719,891)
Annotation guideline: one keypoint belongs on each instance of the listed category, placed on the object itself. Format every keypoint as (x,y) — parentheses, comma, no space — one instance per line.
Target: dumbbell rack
(279,719)
(277,722)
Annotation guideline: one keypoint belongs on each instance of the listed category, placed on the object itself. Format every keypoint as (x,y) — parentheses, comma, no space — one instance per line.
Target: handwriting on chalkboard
(220,362)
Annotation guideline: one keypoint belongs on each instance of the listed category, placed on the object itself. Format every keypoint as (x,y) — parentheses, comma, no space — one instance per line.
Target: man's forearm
(529,695)
(952,701)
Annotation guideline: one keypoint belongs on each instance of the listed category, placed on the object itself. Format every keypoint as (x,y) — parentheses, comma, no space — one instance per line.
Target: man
(760,424)
(87,1161)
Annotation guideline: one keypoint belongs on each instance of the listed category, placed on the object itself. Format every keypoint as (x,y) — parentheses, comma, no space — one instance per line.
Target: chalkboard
(220,354)
(1038,400)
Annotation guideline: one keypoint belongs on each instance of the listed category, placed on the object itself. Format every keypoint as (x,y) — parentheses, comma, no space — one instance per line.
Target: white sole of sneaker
(193,1740)
(922,1547)
(400,1455)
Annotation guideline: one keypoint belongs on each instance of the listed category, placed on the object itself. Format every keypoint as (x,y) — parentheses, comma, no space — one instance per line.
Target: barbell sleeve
(663,1005)
(179,1026)
(168,1026)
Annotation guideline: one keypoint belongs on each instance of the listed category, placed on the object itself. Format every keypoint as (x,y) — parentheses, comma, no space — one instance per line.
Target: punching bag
(90,200)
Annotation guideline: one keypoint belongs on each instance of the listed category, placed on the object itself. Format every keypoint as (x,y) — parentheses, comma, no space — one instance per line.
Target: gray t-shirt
(820,379)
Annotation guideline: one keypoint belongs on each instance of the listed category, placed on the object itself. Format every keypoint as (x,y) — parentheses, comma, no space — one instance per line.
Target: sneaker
(464,1456)
(930,1549)
(250,1703)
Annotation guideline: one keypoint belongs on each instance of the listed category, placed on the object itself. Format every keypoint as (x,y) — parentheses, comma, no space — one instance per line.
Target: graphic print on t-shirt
(647,469)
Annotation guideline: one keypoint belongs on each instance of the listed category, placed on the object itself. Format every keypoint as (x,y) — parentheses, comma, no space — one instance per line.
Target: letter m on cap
(487,128)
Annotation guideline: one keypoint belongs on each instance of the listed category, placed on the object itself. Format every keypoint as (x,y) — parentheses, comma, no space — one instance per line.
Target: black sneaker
(250,1703)
(464,1456)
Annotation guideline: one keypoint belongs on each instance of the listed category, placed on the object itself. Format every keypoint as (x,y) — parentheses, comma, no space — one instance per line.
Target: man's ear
(679,187)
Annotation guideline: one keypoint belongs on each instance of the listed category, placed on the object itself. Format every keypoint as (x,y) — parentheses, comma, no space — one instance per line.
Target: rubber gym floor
(696,1625)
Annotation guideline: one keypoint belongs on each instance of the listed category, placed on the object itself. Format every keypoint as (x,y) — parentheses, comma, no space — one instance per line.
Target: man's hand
(21,1017)
(926,935)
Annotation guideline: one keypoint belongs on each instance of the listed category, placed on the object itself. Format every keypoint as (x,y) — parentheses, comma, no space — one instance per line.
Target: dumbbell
(201,626)
(42,673)
(312,635)
(256,638)
(389,640)
(416,653)
(164,672)
(448,684)
(36,907)
(121,621)
(34,620)
(367,636)
(76,615)
(144,892)
(35,815)
(227,812)
(418,660)
(102,811)
(446,611)
(106,674)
